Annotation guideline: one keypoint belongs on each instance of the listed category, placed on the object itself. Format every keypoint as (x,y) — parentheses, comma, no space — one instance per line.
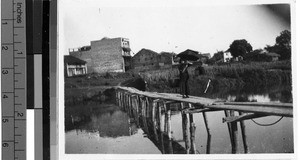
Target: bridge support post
(185,128)
(228,125)
(167,120)
(208,133)
(234,134)
(244,137)
(192,131)
(154,122)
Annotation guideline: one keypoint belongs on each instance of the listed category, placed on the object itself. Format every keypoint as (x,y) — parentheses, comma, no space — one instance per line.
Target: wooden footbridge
(148,108)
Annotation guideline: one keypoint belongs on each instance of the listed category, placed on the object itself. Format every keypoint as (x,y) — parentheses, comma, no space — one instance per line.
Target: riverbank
(236,77)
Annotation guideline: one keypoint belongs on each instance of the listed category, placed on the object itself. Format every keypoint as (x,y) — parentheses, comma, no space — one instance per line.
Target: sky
(171,26)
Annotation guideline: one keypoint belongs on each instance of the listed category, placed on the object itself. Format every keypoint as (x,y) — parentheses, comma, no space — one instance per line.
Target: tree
(216,57)
(240,48)
(257,56)
(284,39)
(282,46)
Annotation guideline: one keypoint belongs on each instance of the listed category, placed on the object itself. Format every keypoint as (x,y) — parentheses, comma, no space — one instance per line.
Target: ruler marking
(8,116)
(12,44)
(8,140)
(7,44)
(19,88)
(7,19)
(14,99)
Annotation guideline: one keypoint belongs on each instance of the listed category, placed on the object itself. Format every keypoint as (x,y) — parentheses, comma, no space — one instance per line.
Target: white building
(227,56)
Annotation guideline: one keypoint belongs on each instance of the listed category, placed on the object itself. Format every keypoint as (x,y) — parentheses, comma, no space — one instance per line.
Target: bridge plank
(280,109)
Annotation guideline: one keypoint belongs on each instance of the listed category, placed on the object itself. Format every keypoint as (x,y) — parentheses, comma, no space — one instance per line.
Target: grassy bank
(93,87)
(231,76)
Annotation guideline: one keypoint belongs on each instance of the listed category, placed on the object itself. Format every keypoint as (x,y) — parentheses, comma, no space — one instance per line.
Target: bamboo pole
(166,117)
(229,126)
(185,128)
(244,137)
(154,123)
(145,125)
(117,97)
(162,143)
(148,107)
(137,111)
(125,102)
(170,146)
(159,117)
(192,131)
(168,121)
(128,104)
(122,100)
(234,134)
(208,144)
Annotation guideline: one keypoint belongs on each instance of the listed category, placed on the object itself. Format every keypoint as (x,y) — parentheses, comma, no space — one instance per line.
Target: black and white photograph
(176,77)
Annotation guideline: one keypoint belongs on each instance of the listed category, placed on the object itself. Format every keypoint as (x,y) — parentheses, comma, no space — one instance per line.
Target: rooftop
(73,60)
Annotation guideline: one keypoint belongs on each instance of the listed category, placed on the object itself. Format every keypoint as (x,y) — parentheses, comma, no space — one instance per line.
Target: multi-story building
(105,55)
(147,59)
(74,66)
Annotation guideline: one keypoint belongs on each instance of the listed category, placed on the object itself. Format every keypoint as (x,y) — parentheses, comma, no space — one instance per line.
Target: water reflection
(106,120)
(105,128)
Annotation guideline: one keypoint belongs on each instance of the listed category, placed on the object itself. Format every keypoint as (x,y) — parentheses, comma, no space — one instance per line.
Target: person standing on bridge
(184,77)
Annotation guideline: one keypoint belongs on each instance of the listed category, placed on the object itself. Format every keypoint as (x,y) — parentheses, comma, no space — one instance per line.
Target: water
(106,128)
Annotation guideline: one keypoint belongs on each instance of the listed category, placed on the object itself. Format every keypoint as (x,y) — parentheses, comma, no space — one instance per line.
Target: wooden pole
(137,111)
(244,137)
(229,126)
(208,144)
(234,134)
(192,131)
(162,142)
(148,108)
(144,116)
(125,102)
(185,128)
(159,117)
(122,99)
(168,121)
(154,103)
(170,146)
(166,117)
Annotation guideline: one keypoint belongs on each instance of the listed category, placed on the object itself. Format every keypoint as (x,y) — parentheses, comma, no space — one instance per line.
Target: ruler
(13,79)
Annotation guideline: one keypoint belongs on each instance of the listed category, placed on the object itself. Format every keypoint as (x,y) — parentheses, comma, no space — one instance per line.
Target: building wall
(227,56)
(73,70)
(105,55)
(145,60)
(149,60)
